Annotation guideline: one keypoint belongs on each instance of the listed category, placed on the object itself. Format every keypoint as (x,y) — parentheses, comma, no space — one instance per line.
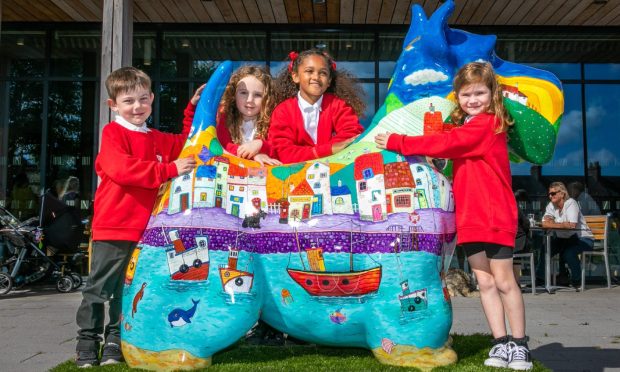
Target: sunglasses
(552,193)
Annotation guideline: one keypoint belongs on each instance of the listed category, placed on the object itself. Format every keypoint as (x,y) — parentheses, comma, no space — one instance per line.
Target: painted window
(339,200)
(367,173)
(362,186)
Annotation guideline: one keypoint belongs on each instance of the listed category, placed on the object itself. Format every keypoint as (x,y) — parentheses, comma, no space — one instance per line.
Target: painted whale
(180,317)
(365,232)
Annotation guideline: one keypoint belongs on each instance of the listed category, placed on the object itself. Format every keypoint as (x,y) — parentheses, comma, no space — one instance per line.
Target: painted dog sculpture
(349,252)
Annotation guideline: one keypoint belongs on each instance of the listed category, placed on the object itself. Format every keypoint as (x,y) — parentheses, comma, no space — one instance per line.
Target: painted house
(204,186)
(341,199)
(181,193)
(447,197)
(368,173)
(221,175)
(317,176)
(514,94)
(433,121)
(426,193)
(398,187)
(257,188)
(237,190)
(300,199)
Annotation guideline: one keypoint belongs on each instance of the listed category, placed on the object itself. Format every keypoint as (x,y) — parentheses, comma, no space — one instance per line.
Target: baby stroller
(58,229)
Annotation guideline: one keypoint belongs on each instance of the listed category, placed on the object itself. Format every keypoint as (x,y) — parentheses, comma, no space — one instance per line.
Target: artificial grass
(472,351)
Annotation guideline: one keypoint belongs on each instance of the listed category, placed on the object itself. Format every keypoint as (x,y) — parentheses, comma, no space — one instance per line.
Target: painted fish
(387,345)
(136,299)
(338,317)
(180,317)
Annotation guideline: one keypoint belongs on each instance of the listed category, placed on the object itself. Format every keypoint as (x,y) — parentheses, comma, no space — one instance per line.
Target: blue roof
(340,190)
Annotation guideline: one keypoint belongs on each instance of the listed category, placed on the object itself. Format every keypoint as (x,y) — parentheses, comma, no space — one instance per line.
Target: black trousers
(108,262)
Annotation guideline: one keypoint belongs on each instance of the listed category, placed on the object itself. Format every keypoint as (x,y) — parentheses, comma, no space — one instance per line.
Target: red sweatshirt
(223,135)
(486,210)
(132,165)
(337,122)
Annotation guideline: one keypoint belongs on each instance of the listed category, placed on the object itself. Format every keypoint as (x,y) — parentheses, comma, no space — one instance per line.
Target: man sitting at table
(563,212)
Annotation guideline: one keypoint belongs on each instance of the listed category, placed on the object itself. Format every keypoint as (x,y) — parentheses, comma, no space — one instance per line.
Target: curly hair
(481,72)
(343,84)
(229,108)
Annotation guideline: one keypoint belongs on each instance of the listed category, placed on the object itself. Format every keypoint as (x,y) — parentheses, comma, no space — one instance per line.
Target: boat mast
(351,248)
(299,248)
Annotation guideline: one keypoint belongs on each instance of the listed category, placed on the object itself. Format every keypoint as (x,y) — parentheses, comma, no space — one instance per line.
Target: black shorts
(494,251)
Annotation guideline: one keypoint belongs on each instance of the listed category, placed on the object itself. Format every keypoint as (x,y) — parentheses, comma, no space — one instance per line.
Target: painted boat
(188,263)
(234,280)
(338,284)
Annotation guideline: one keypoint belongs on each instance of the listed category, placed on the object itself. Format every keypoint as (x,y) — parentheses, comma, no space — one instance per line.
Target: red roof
(510,89)
(373,161)
(302,189)
(235,170)
(398,175)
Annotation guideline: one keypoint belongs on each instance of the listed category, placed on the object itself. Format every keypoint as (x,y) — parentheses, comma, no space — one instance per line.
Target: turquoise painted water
(221,319)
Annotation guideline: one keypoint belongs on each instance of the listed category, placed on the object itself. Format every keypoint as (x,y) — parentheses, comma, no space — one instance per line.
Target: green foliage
(284,172)
(215,147)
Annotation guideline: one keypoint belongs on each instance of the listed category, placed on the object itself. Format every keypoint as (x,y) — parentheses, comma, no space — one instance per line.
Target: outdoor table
(547,231)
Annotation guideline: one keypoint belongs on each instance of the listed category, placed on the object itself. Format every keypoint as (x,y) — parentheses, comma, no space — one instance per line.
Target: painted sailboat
(188,263)
(235,280)
(319,282)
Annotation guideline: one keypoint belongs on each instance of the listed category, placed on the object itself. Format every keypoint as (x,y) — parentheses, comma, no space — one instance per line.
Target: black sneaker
(86,359)
(111,354)
(256,335)
(273,338)
(519,357)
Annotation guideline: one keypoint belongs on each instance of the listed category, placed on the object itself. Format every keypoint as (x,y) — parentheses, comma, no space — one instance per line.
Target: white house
(221,175)
(341,199)
(427,193)
(300,200)
(368,172)
(181,193)
(398,187)
(317,176)
(257,188)
(204,186)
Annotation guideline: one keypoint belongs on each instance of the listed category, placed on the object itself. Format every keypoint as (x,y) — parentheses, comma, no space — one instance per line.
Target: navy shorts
(494,251)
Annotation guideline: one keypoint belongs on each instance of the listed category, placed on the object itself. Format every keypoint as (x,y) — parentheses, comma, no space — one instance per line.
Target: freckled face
(134,106)
(474,98)
(313,77)
(249,97)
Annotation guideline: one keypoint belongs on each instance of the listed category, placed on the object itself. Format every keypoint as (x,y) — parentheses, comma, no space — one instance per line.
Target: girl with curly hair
(318,108)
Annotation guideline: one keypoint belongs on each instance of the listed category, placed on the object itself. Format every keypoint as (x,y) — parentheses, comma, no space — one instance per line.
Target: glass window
(75,54)
(144,51)
(23,54)
(390,47)
(601,121)
(564,71)
(71,122)
(369,95)
(602,71)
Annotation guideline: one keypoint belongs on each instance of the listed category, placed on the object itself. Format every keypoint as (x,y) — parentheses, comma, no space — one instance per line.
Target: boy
(132,163)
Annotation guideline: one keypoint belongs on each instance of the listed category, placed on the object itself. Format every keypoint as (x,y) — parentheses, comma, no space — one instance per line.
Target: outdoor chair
(600,229)
(530,257)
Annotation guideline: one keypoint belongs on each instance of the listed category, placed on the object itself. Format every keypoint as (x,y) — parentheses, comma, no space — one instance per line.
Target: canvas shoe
(498,356)
(86,359)
(111,354)
(519,357)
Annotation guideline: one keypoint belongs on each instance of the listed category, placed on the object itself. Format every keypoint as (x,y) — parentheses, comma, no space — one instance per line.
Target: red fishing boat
(318,282)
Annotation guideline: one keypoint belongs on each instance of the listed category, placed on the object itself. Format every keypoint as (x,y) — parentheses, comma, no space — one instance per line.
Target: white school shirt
(310,113)
(127,125)
(248,131)
(569,213)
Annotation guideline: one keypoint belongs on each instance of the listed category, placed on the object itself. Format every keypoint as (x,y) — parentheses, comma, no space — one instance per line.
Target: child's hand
(382,139)
(263,159)
(185,165)
(339,146)
(196,96)
(250,149)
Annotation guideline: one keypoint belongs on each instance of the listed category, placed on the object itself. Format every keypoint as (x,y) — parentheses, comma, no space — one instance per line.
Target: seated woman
(563,212)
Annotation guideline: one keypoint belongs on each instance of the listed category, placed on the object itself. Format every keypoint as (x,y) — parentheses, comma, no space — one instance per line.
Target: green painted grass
(472,350)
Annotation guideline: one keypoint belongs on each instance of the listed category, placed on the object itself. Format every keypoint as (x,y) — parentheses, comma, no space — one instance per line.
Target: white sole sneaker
(495,362)
(520,365)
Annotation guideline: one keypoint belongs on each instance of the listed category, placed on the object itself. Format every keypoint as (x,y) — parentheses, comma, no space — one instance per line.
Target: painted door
(376,213)
(218,202)
(388,202)
(317,204)
(234,210)
(184,201)
(422,200)
(305,214)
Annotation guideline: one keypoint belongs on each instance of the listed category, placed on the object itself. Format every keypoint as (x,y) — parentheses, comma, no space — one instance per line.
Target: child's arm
(223,135)
(116,161)
(285,140)
(470,140)
(346,126)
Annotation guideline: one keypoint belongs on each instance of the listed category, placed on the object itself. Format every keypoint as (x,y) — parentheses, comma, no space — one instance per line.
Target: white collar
(307,106)
(127,125)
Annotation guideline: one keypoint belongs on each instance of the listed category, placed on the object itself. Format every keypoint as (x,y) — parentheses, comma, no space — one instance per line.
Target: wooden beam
(116,49)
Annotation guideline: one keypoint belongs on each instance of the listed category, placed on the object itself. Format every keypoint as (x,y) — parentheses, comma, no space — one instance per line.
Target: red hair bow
(292,56)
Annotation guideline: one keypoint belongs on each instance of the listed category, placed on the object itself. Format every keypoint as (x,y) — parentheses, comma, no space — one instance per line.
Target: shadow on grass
(471,349)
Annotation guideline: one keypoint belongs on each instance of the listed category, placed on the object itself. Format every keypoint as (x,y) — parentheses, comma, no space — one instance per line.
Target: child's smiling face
(313,77)
(474,98)
(134,106)
(249,97)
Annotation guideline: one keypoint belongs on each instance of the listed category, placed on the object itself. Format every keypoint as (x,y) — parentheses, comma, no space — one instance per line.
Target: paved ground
(568,331)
